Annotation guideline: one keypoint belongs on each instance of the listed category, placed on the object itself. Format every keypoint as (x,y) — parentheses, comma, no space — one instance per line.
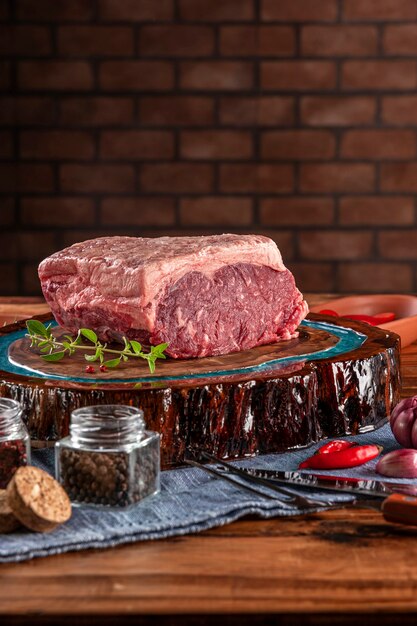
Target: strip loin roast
(204,296)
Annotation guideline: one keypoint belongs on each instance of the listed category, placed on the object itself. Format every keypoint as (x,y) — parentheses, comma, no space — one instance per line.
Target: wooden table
(338,567)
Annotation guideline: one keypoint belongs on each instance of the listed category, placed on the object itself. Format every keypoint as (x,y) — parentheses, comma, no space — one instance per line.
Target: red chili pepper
(89,369)
(384,318)
(350,457)
(329,312)
(373,320)
(335,446)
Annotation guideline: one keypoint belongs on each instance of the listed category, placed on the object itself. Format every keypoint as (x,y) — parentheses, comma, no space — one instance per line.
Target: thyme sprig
(53,350)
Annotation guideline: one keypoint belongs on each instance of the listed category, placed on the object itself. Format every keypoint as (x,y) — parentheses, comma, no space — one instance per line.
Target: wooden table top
(338,567)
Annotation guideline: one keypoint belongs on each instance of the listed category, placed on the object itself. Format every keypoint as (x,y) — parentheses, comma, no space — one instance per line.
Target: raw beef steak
(202,295)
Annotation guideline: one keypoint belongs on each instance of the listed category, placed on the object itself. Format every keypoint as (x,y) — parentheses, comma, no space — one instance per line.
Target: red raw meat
(204,296)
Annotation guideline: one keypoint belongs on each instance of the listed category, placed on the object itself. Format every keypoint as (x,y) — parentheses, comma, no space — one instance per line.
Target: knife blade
(393,500)
(397,502)
(353,486)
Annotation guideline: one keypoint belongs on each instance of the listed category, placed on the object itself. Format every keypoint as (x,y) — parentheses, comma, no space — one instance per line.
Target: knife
(397,502)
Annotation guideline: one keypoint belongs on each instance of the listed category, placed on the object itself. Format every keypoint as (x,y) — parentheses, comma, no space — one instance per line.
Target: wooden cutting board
(338,377)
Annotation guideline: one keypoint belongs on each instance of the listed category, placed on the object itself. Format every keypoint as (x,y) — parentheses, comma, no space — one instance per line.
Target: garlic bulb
(404,422)
(398,464)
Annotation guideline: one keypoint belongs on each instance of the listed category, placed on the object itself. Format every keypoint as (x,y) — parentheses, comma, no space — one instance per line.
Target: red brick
(57,211)
(399,177)
(26,245)
(298,144)
(216,10)
(216,75)
(313,277)
(34,245)
(138,211)
(136,144)
(380,10)
(379,75)
(177,178)
(26,177)
(4,10)
(4,75)
(56,144)
(335,111)
(399,110)
(337,177)
(299,11)
(82,41)
(335,244)
(296,211)
(216,211)
(9,279)
(298,75)
(176,40)
(134,11)
(55,75)
(375,277)
(216,144)
(252,178)
(32,111)
(31,284)
(136,75)
(6,145)
(257,111)
(51,10)
(96,111)
(376,211)
(398,244)
(257,41)
(7,211)
(34,41)
(340,40)
(97,178)
(176,111)
(378,144)
(400,40)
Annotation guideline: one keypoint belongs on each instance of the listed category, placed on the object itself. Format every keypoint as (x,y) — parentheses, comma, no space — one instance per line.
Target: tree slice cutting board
(338,377)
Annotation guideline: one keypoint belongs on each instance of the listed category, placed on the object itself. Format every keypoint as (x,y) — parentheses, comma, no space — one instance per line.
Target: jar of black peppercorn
(109,459)
(14,440)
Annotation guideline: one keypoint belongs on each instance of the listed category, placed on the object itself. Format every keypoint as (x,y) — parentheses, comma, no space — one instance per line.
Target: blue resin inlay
(348,340)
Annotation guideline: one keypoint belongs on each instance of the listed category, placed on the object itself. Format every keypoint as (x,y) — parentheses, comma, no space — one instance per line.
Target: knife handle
(400,508)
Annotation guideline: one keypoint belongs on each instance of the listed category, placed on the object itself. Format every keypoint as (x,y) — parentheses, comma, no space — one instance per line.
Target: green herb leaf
(112,363)
(136,347)
(55,356)
(35,327)
(91,357)
(89,334)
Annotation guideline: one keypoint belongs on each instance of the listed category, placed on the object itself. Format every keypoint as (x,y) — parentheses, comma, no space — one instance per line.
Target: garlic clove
(398,464)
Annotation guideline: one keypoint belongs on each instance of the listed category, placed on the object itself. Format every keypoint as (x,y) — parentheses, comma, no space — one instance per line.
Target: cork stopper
(37,500)
(8,521)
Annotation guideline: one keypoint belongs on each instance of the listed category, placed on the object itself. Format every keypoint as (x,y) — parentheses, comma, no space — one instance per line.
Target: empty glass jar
(109,459)
(14,440)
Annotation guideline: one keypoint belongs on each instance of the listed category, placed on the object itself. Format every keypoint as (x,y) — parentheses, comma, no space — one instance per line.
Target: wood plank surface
(340,567)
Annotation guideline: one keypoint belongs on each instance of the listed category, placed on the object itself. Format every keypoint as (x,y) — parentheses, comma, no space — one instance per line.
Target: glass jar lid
(107,425)
(10,418)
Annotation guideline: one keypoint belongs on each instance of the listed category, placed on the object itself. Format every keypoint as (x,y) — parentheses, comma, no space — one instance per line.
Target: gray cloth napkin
(189,501)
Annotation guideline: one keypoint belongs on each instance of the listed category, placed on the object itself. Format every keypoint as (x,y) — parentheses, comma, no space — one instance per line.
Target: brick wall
(295,118)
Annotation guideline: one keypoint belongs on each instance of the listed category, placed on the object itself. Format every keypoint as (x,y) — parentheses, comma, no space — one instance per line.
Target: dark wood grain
(337,568)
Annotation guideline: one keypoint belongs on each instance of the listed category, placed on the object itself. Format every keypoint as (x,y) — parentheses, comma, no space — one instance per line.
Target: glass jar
(14,440)
(109,459)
